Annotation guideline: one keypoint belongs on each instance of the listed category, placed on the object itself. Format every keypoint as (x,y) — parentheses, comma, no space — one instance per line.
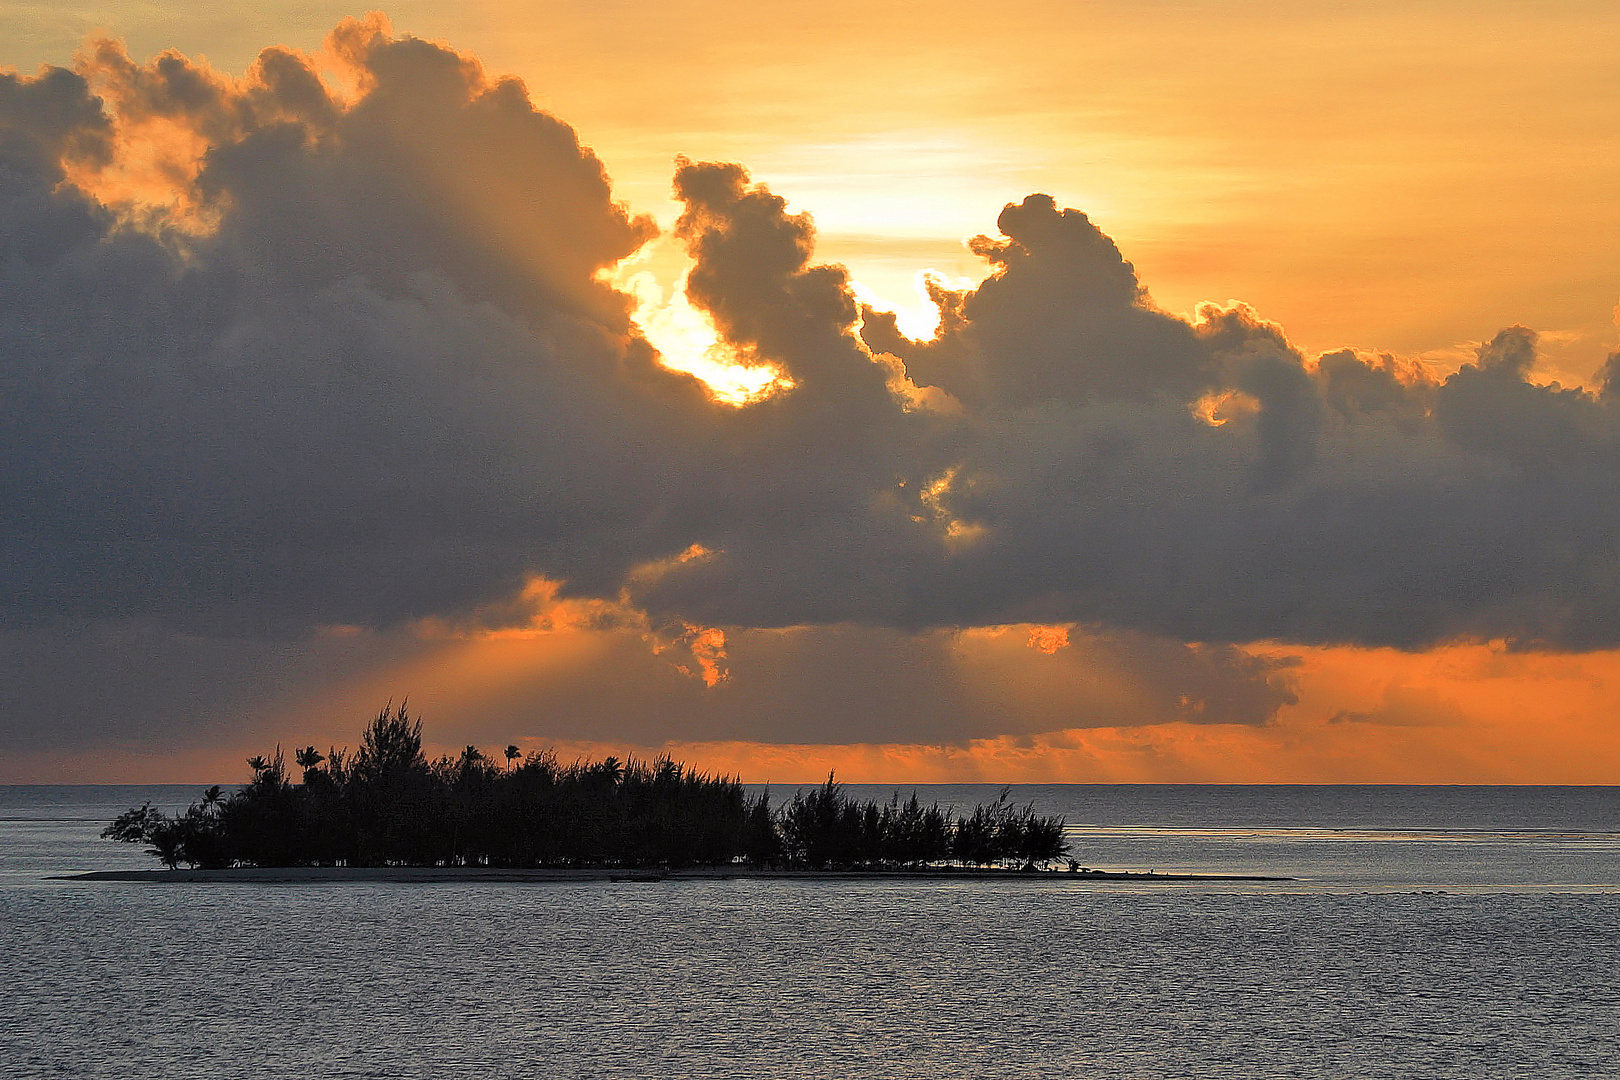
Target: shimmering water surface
(1433,932)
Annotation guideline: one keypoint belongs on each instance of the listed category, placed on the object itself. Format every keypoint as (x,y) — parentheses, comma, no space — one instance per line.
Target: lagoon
(1433,932)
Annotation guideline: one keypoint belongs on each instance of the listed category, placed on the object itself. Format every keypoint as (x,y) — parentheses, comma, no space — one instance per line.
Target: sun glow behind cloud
(687,340)
(917,316)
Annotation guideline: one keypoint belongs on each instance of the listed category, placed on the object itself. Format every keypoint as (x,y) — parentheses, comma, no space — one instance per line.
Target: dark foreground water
(1435,932)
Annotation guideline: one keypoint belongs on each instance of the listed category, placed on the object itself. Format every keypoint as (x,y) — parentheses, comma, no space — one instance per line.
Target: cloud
(1062,318)
(1354,501)
(292,350)
(379,385)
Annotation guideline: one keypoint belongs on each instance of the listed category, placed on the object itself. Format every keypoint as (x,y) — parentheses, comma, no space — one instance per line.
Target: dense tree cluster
(386,804)
(825,828)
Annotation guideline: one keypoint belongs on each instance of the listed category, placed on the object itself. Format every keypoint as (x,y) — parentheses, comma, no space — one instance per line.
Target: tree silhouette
(309,759)
(388,805)
(391,745)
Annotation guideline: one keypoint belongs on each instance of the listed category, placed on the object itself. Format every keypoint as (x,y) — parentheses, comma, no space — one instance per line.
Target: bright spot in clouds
(687,341)
(1048,639)
(1217,407)
(918,319)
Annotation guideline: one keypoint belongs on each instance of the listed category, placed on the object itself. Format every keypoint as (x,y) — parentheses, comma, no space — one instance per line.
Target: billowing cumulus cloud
(381,382)
(1062,318)
(295,351)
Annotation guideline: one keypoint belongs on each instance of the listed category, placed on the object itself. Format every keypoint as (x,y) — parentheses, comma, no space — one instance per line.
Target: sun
(687,340)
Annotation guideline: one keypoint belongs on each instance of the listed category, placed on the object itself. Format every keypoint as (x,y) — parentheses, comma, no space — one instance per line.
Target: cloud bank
(296,351)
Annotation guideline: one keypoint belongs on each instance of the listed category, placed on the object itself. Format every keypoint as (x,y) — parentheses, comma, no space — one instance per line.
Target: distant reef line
(339,875)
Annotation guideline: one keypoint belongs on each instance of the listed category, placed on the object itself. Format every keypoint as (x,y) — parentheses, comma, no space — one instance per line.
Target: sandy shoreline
(314,875)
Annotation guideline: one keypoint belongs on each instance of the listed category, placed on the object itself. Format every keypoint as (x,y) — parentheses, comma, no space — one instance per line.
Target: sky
(1204,392)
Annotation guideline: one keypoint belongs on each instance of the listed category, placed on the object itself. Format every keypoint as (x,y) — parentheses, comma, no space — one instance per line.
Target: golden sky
(1405,178)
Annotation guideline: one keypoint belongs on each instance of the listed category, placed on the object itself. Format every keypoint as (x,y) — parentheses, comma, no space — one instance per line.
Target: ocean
(1429,932)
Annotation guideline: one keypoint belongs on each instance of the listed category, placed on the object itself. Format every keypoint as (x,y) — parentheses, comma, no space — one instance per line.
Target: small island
(387,805)
(385,812)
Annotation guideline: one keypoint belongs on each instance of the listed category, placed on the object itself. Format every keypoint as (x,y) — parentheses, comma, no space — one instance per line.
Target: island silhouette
(387,805)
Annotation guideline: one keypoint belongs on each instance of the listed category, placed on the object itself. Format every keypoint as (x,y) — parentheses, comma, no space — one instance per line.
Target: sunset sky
(1269,432)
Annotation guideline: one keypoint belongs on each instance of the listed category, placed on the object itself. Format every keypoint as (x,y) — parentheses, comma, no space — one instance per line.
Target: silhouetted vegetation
(387,805)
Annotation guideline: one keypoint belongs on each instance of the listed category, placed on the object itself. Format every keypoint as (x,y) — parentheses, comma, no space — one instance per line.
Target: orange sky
(1402,177)
(1474,714)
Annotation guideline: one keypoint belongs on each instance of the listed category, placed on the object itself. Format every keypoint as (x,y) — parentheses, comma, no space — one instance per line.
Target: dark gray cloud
(365,371)
(1062,318)
(385,385)
(1350,500)
(134,685)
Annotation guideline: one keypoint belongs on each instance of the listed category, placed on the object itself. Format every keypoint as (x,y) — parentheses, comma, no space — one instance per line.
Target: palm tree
(471,761)
(307,759)
(512,754)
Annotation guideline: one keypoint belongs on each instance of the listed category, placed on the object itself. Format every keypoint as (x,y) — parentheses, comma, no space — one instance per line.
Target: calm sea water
(1432,932)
